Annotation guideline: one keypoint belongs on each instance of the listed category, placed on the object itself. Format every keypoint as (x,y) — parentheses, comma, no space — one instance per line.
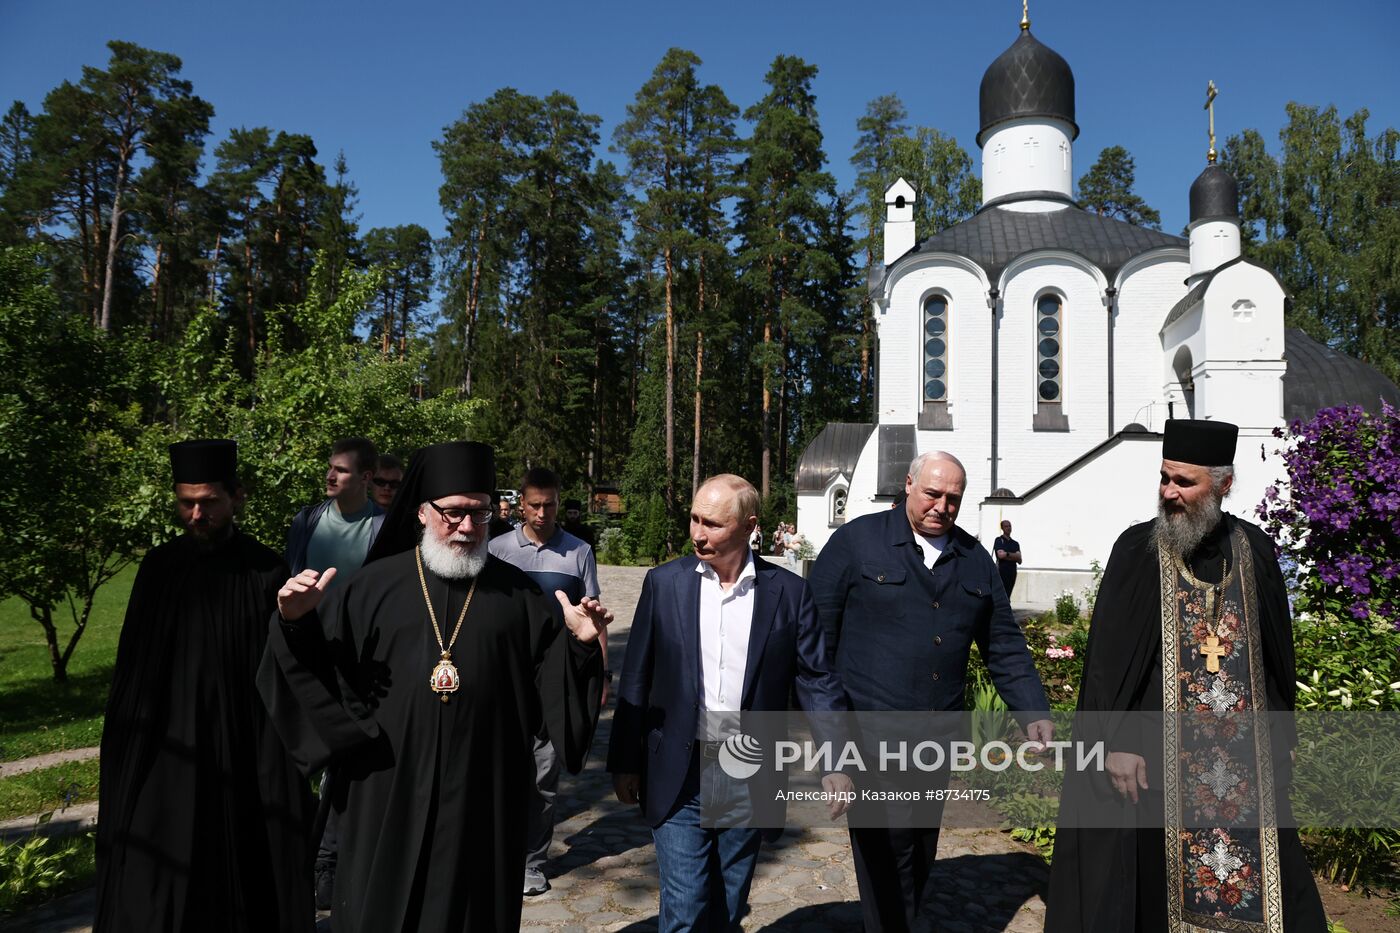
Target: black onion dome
(1027,80)
(1214,195)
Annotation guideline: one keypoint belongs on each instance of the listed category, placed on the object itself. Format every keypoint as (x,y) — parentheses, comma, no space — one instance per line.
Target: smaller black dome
(1214,194)
(1027,80)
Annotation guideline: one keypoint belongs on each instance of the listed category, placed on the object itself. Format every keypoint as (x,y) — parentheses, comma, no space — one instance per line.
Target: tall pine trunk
(473,302)
(670,386)
(113,242)
(699,370)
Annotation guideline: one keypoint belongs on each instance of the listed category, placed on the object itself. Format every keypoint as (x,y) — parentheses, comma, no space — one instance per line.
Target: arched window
(1049,363)
(937,322)
(838,505)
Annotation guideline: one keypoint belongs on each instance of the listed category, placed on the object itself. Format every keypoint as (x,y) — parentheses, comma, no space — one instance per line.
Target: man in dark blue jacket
(902,595)
(723,631)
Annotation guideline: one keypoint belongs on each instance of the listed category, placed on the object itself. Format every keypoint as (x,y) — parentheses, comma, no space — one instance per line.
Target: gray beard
(453,563)
(1179,535)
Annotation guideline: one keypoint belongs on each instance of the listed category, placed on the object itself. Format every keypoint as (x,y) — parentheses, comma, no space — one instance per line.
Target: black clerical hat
(205,461)
(573,504)
(453,468)
(1203,443)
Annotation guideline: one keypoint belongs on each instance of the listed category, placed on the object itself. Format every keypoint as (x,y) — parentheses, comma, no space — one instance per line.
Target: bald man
(902,594)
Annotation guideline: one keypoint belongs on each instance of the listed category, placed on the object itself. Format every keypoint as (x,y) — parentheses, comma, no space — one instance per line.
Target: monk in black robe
(203,815)
(1112,880)
(423,680)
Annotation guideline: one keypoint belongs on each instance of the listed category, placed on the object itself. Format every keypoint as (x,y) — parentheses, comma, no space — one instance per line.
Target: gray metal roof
(1029,79)
(832,453)
(1198,291)
(995,236)
(1319,377)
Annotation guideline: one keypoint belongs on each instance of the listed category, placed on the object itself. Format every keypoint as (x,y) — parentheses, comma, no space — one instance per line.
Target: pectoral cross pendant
(445,679)
(1213,652)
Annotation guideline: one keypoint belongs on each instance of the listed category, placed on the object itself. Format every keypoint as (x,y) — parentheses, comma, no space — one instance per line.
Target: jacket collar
(899,534)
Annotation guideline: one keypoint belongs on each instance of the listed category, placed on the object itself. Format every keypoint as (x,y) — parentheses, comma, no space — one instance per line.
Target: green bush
(40,868)
(1352,665)
(1067,609)
(615,546)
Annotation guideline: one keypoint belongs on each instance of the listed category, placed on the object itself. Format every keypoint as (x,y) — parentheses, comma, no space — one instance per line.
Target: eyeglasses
(454,517)
(387,483)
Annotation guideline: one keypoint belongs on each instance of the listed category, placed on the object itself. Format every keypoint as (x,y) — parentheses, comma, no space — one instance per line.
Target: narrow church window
(1048,350)
(1032,147)
(935,348)
(1000,152)
(838,505)
(1064,156)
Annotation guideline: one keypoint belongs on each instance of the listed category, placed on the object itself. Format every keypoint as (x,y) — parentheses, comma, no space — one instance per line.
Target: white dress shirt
(726,616)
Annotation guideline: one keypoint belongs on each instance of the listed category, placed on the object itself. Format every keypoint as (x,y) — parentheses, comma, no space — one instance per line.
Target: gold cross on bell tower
(1211,93)
(1025,15)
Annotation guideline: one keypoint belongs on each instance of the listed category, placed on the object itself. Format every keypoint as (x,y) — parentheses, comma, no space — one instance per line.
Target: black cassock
(431,796)
(203,814)
(1114,880)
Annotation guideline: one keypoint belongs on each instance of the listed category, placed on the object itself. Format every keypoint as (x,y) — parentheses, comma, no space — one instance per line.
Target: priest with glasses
(423,678)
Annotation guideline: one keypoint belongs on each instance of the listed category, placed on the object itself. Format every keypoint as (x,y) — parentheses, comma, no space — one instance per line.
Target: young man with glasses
(388,476)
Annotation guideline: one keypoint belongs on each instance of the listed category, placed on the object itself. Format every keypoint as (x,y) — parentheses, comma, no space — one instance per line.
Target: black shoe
(325,888)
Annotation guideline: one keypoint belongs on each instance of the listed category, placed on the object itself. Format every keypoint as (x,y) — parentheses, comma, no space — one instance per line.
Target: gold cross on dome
(1213,651)
(1025,15)
(1211,93)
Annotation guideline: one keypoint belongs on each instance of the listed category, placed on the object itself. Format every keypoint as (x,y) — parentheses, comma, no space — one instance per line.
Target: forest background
(636,306)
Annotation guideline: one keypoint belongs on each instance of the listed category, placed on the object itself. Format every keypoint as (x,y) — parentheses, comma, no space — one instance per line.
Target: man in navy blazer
(902,594)
(717,632)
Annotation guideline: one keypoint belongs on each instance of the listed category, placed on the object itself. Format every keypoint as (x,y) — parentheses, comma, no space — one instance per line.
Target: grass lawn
(39,715)
(49,789)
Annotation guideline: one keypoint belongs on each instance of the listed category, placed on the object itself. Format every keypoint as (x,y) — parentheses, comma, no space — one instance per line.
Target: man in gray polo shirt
(556,560)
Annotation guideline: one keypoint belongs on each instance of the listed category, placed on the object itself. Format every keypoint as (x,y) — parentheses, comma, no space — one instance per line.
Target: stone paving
(602,868)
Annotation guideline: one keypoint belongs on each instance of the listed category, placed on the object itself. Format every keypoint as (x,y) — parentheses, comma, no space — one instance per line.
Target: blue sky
(380,80)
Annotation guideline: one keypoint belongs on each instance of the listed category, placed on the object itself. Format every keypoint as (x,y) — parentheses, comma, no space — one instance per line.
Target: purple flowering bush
(1339,521)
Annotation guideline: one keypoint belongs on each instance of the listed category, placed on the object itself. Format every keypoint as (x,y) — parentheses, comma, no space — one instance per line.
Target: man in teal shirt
(337,532)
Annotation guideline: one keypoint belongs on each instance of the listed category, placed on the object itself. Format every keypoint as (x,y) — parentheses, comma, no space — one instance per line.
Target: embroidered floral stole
(1221,831)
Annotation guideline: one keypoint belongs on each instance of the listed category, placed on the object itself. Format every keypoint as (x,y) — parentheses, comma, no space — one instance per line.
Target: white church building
(1045,346)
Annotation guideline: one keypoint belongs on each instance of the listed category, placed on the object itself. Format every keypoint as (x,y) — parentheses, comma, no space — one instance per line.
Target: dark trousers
(328,849)
(892,869)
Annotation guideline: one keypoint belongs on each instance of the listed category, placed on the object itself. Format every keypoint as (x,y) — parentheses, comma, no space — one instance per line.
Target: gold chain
(432,616)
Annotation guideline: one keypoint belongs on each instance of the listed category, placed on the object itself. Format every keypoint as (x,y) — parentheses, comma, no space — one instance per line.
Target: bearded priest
(1190,829)
(424,679)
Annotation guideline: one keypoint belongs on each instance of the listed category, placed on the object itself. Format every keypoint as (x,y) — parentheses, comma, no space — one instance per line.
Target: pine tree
(786,199)
(1107,190)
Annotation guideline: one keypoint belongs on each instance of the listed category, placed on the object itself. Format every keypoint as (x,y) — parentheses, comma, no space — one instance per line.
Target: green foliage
(405,256)
(1066,609)
(1322,216)
(1346,663)
(616,547)
(55,788)
(39,714)
(303,397)
(39,868)
(1107,190)
(1030,817)
(73,489)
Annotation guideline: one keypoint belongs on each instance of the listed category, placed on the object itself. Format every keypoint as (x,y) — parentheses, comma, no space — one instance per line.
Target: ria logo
(740,756)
